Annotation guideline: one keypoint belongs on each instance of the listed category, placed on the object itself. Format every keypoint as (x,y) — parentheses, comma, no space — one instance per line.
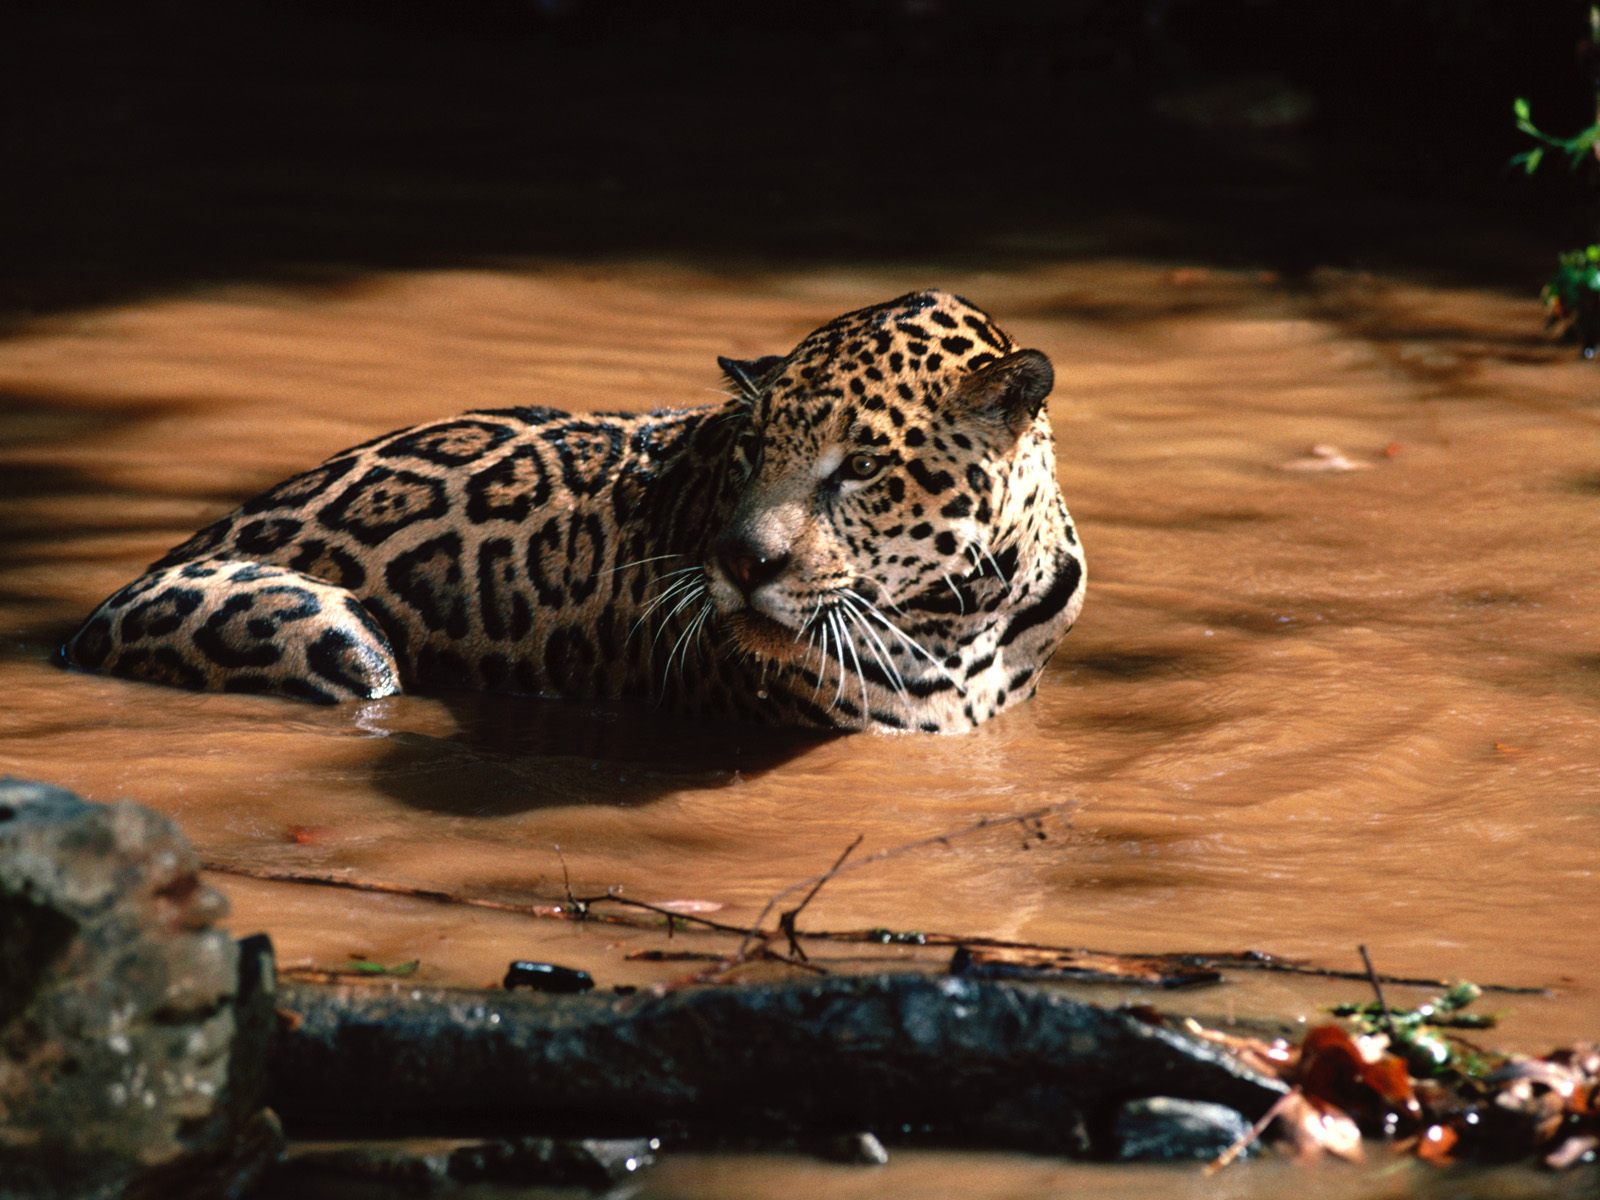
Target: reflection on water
(1301,710)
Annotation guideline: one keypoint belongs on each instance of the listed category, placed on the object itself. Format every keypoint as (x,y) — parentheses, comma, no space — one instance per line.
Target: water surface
(1304,708)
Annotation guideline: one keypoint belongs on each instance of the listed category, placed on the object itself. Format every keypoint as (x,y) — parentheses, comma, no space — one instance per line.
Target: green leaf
(1519,106)
(1459,996)
(366,966)
(1532,159)
(1580,147)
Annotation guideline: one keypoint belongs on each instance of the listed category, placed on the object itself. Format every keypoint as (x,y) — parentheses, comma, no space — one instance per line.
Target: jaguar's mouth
(760,634)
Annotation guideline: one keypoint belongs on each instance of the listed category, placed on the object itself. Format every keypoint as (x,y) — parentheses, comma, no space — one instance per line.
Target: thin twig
(384,888)
(579,908)
(1377,990)
(757,930)
(1224,960)
(787,920)
(1250,1135)
(670,914)
(438,896)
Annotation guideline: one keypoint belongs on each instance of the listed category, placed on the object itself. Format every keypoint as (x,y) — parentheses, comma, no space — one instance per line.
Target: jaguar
(867,533)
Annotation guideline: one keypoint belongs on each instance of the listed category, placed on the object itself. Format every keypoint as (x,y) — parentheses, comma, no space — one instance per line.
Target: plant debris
(1417,1033)
(758,942)
(359,967)
(1403,1078)
(366,966)
(1324,457)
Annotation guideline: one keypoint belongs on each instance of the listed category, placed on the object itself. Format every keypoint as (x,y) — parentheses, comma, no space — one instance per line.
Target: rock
(133,1034)
(547,977)
(856,1149)
(553,1162)
(596,1163)
(1164,1129)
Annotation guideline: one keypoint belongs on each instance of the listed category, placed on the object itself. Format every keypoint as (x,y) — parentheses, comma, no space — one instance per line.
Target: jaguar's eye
(860,466)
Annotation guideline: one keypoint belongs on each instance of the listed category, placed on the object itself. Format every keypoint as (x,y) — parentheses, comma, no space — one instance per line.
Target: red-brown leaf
(1332,1069)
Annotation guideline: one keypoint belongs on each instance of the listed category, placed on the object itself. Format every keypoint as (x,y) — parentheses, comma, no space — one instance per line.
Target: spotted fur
(867,534)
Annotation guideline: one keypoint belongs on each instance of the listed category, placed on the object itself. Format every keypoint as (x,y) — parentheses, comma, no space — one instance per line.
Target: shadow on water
(510,754)
(179,143)
(55,500)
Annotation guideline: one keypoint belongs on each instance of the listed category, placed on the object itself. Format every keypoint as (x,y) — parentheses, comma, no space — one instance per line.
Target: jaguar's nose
(748,566)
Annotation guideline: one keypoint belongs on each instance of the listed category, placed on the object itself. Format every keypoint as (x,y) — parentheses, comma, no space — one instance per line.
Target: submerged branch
(1225,960)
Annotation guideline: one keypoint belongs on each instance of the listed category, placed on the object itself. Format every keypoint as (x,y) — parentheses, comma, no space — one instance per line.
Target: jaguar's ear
(748,374)
(1009,390)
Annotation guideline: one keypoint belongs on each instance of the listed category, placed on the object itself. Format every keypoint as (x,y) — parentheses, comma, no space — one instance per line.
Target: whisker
(910,642)
(706,610)
(672,588)
(861,678)
(960,600)
(689,597)
(639,562)
(876,648)
(683,637)
(670,592)
(996,566)
(884,599)
(838,638)
(677,575)
(822,663)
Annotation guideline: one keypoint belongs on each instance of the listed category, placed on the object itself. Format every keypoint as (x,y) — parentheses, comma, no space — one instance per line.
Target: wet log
(972,1061)
(133,1034)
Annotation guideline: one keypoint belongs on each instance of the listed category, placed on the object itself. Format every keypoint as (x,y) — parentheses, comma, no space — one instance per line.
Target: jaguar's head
(891,453)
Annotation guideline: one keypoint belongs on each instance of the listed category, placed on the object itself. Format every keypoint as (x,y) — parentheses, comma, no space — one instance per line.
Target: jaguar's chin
(758,634)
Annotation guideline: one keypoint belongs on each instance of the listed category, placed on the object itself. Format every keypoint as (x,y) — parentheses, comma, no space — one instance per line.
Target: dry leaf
(1333,1070)
(688,906)
(1325,458)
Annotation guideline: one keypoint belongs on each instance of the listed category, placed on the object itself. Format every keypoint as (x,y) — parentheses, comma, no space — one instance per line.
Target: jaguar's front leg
(239,626)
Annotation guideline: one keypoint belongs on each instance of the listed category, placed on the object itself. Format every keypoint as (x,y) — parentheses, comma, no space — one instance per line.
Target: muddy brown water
(1304,708)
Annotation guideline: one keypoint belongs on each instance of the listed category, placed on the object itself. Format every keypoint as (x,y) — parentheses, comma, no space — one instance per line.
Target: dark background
(151,146)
